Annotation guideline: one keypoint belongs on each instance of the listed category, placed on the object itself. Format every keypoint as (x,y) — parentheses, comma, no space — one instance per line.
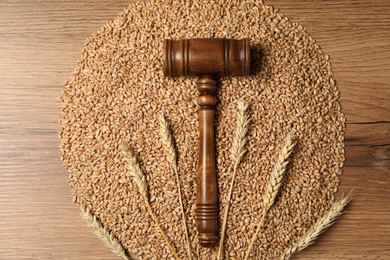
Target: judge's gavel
(206,59)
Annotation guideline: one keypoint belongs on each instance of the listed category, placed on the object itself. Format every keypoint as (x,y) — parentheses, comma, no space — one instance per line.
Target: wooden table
(40,42)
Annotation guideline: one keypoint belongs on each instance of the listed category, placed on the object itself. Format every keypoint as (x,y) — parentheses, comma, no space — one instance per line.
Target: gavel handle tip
(208,239)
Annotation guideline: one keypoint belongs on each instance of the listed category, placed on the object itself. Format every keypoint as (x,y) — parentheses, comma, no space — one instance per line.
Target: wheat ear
(238,152)
(140,180)
(102,233)
(273,185)
(320,226)
(167,142)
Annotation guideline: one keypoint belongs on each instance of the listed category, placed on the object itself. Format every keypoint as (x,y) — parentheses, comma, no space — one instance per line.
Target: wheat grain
(274,184)
(238,151)
(118,87)
(102,233)
(318,228)
(140,179)
(167,141)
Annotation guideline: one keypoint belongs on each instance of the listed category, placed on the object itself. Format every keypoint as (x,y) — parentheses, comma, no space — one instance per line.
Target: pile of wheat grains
(118,87)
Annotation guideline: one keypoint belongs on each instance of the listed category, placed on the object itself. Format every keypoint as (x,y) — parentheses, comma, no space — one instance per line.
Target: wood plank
(40,42)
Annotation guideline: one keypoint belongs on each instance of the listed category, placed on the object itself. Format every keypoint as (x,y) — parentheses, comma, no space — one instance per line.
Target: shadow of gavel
(207,59)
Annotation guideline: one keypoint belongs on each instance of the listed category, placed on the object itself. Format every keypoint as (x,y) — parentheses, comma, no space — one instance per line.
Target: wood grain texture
(40,42)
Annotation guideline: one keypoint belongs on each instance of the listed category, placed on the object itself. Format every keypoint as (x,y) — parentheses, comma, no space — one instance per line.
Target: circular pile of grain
(118,87)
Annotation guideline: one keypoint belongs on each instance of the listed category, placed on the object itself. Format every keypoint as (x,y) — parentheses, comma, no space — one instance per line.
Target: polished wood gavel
(206,59)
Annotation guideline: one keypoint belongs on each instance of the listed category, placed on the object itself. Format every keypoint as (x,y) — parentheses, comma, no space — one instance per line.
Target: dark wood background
(40,42)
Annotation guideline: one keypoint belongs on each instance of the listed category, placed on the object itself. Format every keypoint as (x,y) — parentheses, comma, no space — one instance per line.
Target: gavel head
(211,57)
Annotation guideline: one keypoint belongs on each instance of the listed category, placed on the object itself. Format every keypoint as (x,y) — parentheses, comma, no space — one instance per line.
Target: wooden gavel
(207,59)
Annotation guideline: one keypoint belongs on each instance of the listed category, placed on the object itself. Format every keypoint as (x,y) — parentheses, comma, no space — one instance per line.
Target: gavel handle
(207,189)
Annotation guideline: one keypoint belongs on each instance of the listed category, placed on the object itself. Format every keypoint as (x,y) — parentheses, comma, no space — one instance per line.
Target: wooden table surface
(40,42)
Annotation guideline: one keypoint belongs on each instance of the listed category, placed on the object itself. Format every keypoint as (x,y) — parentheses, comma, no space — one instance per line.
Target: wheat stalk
(140,180)
(238,152)
(239,140)
(102,233)
(278,171)
(167,141)
(320,226)
(273,184)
